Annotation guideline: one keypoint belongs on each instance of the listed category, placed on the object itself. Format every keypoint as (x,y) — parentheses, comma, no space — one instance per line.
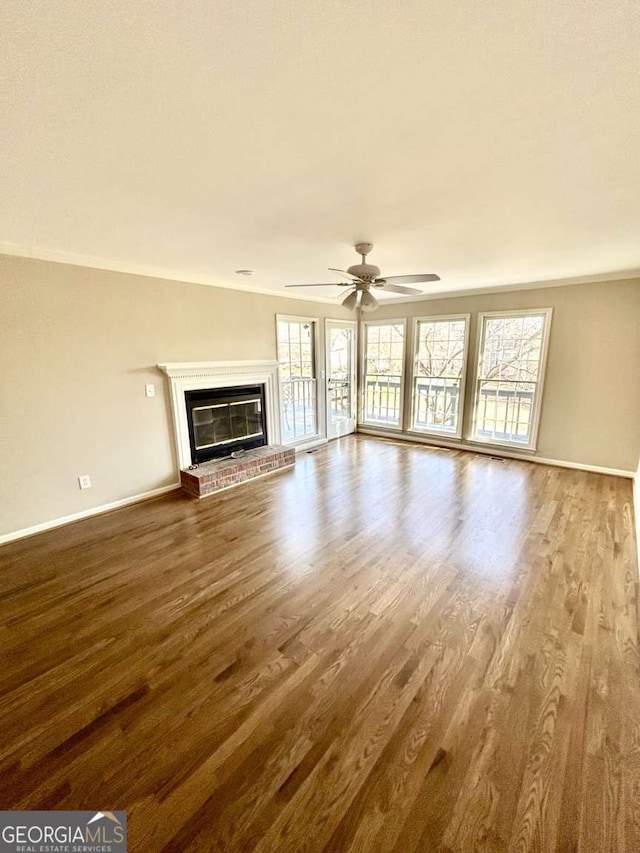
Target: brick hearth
(211,477)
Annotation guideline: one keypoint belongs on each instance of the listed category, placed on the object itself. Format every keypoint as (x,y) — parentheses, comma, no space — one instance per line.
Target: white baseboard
(97,510)
(495,451)
(85,513)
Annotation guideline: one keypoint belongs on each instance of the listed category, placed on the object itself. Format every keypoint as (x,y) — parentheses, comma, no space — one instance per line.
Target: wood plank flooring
(389,648)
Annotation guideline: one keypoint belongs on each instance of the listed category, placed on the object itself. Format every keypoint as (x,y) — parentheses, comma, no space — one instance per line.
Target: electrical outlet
(84,481)
(150,390)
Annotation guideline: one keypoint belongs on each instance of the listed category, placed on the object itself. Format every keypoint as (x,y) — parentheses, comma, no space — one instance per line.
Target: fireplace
(224,420)
(221,376)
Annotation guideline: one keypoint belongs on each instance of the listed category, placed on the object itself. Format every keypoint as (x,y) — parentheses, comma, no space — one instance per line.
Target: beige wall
(591,402)
(636,507)
(77,346)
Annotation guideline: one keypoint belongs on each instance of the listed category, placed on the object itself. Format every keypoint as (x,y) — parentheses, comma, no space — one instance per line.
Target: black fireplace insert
(224,420)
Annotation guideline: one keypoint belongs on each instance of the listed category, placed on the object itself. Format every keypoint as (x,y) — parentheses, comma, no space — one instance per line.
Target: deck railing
(502,412)
(299,408)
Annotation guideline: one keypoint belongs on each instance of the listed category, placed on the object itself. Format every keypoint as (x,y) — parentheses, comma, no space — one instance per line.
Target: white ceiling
(493,142)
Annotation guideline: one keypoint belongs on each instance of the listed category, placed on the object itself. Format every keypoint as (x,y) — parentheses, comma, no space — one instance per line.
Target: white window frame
(532,445)
(463,379)
(318,358)
(400,321)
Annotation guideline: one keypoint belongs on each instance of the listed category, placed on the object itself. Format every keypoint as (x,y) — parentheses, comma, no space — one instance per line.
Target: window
(298,384)
(383,373)
(509,377)
(439,374)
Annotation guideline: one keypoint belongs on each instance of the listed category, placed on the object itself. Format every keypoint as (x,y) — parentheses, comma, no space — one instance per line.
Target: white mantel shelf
(215,368)
(198,375)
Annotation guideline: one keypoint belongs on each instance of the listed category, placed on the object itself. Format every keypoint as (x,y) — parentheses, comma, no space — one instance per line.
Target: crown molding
(165,273)
(185,277)
(599,278)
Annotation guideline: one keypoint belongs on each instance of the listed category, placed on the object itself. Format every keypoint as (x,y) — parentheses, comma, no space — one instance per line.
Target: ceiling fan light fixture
(368,301)
(351,300)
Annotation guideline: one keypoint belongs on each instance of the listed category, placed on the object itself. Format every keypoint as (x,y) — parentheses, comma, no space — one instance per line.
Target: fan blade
(409,279)
(328,284)
(344,272)
(397,288)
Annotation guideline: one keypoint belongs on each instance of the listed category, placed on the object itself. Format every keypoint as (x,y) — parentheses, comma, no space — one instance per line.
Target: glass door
(341,377)
(298,384)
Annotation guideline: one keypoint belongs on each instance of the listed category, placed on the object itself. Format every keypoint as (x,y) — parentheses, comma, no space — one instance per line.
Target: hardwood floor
(391,648)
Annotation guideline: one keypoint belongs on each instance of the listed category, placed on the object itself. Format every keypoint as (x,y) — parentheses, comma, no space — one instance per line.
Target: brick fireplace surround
(219,474)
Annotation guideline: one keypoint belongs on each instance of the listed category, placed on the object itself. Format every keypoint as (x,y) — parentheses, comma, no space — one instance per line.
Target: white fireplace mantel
(198,375)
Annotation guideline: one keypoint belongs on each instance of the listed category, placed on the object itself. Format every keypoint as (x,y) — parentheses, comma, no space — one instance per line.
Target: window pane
(512,347)
(509,374)
(439,367)
(383,372)
(296,357)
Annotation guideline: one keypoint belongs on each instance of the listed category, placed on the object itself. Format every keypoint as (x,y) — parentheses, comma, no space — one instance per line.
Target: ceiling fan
(365,278)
